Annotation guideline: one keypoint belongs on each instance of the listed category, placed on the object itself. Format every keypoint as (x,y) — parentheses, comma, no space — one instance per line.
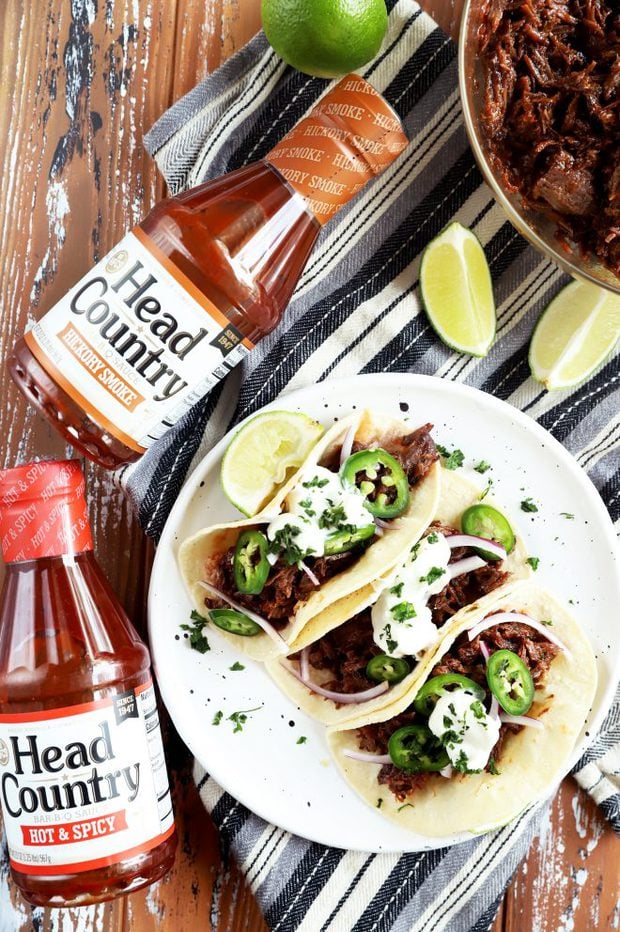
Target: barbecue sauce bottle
(207,274)
(84,792)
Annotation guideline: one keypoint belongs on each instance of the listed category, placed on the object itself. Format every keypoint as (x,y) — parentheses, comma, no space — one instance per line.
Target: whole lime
(326,38)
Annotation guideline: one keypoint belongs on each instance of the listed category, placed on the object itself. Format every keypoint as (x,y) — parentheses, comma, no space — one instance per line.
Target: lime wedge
(457,291)
(263,454)
(575,333)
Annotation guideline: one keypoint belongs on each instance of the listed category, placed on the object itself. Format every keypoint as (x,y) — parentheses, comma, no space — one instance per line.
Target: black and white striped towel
(356,310)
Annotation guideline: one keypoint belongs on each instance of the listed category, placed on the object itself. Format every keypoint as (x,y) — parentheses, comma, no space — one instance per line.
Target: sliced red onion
(367,758)
(304,663)
(482,543)
(347,444)
(392,525)
(313,579)
(264,624)
(466,565)
(378,531)
(446,771)
(494,710)
(343,698)
(526,720)
(501,618)
(484,650)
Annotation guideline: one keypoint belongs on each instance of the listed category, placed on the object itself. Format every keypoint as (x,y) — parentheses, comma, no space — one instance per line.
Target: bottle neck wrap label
(43,511)
(351,135)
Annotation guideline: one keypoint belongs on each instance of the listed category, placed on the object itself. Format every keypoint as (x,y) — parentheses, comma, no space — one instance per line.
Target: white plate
(296,786)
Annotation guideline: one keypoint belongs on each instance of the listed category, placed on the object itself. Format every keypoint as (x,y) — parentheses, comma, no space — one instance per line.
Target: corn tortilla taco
(364,495)
(490,726)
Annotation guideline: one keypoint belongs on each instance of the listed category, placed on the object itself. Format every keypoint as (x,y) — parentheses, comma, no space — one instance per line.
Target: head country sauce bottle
(84,791)
(183,298)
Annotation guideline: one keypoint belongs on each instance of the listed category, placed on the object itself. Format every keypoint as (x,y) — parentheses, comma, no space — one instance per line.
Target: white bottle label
(84,786)
(135,343)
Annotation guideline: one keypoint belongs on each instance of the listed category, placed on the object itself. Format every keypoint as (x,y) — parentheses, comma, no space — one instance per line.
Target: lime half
(574,335)
(457,291)
(263,454)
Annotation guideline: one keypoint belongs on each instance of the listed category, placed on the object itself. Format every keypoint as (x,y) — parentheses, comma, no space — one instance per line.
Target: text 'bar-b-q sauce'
(84,791)
(183,298)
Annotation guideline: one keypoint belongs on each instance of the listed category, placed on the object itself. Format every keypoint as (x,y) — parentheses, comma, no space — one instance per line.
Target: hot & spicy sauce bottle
(83,785)
(189,291)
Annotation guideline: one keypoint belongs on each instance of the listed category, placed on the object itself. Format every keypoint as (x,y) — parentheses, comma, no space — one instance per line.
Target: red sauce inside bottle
(65,642)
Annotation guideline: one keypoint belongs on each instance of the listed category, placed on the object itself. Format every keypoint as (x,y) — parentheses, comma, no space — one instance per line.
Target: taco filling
(336,511)
(477,695)
(384,642)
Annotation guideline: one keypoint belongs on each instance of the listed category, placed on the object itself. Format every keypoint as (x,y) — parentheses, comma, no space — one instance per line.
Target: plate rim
(402,382)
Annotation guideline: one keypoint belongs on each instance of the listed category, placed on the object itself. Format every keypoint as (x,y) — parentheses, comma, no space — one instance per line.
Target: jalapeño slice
(416,749)
(234,622)
(382,480)
(510,681)
(427,696)
(387,669)
(347,540)
(250,564)
(486,521)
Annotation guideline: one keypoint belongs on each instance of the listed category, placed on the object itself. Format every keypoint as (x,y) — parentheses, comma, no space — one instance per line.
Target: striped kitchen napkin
(357,309)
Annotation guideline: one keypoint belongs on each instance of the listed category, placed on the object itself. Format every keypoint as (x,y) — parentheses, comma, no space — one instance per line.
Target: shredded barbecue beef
(551,113)
(466,658)
(284,589)
(287,586)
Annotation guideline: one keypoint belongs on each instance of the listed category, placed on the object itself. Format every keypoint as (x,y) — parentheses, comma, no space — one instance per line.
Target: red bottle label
(85,786)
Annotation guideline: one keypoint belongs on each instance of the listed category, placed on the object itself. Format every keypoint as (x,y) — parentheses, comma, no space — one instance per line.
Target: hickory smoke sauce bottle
(190,290)
(83,784)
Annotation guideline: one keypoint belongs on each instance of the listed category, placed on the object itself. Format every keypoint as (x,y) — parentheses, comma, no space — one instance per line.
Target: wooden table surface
(80,82)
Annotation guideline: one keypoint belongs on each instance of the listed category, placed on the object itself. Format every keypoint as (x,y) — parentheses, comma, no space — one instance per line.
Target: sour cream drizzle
(401,619)
(319,506)
(471,732)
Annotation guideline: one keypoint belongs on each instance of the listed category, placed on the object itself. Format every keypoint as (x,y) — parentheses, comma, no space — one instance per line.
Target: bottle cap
(43,511)
(349,136)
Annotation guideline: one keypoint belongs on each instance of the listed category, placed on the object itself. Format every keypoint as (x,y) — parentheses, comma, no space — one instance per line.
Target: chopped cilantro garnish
(546,621)
(462,764)
(391,643)
(283,543)
(433,574)
(478,709)
(403,611)
(452,460)
(405,806)
(447,721)
(301,740)
(397,590)
(482,466)
(240,718)
(528,505)
(217,718)
(197,640)
(315,483)
(567,515)
(492,767)
(307,507)
(333,516)
(414,551)
(533,561)
(433,537)
(236,666)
